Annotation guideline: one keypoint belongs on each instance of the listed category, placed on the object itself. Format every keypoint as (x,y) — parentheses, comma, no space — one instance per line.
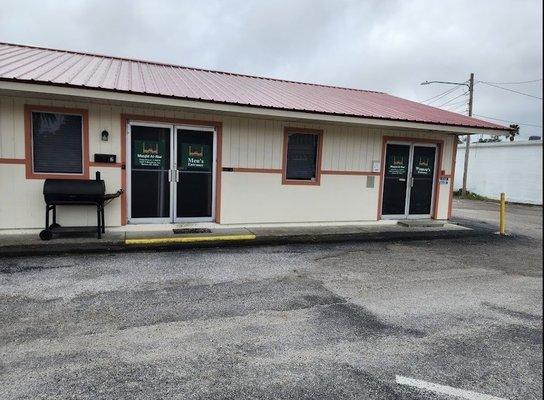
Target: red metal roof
(68,68)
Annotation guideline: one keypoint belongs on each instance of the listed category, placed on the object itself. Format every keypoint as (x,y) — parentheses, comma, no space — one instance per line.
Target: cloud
(381,45)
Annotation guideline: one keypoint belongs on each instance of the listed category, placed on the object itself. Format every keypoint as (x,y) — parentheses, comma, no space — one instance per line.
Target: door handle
(177,175)
(412,181)
(402,179)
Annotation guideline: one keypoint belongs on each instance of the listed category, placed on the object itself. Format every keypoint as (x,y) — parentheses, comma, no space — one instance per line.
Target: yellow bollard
(502,215)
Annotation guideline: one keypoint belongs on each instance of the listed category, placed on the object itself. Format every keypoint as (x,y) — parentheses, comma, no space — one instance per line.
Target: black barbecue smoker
(75,192)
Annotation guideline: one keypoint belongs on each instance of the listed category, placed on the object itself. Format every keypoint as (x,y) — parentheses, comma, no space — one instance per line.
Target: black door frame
(409,141)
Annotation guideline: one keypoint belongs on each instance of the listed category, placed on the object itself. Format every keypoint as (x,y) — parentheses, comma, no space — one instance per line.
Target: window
(56,143)
(302,157)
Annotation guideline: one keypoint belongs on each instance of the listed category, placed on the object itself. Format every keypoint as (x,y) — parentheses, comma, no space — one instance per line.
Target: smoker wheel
(46,234)
(54,225)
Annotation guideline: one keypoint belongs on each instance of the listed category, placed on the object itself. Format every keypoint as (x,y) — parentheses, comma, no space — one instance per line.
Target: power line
(449,101)
(513,83)
(443,94)
(506,120)
(458,108)
(440,95)
(443,99)
(510,90)
(457,103)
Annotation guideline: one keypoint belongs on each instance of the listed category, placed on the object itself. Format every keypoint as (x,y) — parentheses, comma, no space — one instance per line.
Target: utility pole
(467,141)
(470,85)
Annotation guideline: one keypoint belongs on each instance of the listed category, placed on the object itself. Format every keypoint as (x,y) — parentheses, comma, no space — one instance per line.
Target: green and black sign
(149,153)
(397,165)
(196,157)
(423,165)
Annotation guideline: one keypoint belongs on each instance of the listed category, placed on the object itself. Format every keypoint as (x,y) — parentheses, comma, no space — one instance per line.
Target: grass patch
(471,196)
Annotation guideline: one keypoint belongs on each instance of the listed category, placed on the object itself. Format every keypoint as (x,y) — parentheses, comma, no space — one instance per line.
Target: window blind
(301,156)
(57,143)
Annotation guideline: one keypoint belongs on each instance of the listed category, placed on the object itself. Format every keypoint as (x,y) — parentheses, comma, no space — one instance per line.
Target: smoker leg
(103,220)
(54,224)
(47,217)
(98,227)
(46,233)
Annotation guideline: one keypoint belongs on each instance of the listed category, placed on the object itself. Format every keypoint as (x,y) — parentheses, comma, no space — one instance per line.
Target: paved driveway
(521,219)
(345,321)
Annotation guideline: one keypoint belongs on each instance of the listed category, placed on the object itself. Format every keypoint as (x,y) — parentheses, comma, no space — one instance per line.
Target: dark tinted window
(57,143)
(302,156)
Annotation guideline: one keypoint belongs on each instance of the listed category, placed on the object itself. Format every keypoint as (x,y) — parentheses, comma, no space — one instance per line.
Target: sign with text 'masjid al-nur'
(149,153)
(396,165)
(196,157)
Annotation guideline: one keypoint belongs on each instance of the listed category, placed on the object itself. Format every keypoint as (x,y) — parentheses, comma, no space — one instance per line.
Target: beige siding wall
(260,197)
(247,143)
(257,143)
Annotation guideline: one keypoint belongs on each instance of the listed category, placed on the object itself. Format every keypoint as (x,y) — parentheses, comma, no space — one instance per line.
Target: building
(494,168)
(190,144)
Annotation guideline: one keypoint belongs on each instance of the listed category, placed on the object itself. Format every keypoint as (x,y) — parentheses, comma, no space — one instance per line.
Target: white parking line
(448,390)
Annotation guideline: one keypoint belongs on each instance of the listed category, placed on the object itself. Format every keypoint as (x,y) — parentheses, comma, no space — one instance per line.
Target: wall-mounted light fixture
(105,135)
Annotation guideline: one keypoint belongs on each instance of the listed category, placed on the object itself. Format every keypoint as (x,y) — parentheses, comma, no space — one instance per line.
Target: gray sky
(389,46)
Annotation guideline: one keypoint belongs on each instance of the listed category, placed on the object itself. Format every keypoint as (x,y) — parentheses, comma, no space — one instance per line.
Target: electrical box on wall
(105,158)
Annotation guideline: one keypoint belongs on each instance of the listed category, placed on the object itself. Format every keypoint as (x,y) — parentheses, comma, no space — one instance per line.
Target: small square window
(302,157)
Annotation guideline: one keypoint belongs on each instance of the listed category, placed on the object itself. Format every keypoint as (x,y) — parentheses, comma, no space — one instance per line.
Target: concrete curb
(119,245)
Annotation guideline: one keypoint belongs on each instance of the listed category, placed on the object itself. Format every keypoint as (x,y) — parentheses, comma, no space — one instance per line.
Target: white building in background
(514,168)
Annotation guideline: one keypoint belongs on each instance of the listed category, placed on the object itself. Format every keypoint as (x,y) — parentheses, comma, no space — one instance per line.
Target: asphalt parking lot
(349,321)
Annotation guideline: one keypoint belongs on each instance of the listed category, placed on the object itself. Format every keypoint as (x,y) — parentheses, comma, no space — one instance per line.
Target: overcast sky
(383,45)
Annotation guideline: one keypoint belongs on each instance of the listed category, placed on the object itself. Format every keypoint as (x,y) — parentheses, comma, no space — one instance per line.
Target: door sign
(423,166)
(148,153)
(195,156)
(397,165)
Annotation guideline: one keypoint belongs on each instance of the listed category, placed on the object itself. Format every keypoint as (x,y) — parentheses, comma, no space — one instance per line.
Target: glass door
(149,173)
(422,180)
(195,174)
(395,184)
(409,179)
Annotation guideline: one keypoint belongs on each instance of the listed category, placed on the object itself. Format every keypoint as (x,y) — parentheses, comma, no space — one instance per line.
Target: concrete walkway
(157,237)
